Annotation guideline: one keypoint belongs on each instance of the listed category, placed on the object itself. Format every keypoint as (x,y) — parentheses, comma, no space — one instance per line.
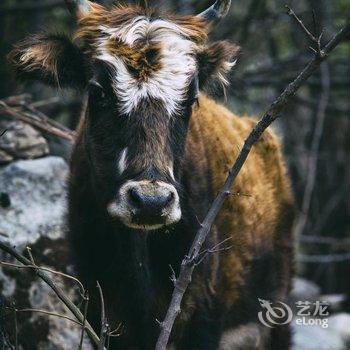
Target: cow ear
(52,59)
(215,61)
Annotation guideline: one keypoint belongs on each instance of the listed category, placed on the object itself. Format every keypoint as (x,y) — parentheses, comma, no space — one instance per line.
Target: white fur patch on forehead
(167,84)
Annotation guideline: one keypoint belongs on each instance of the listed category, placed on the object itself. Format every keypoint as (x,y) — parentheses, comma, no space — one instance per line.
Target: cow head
(143,71)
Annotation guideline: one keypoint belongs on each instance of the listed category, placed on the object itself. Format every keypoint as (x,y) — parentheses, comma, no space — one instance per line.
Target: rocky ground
(32,212)
(315,337)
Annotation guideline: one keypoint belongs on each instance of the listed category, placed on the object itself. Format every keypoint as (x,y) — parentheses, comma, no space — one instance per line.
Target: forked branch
(268,118)
(58,291)
(316,40)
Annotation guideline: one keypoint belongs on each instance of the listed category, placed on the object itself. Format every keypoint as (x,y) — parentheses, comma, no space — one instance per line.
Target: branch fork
(315,40)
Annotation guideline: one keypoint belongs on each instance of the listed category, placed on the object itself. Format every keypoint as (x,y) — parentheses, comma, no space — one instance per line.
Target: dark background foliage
(274,50)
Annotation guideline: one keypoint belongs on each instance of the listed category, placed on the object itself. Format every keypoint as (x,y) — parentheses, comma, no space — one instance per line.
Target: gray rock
(5,157)
(340,324)
(37,195)
(336,301)
(21,141)
(36,190)
(335,337)
(316,338)
(304,290)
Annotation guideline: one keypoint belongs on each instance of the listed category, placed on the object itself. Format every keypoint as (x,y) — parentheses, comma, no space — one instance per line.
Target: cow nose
(146,205)
(150,203)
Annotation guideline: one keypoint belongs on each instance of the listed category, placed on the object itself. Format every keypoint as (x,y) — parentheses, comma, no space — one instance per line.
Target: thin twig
(215,249)
(118,331)
(173,275)
(29,251)
(187,265)
(38,120)
(86,306)
(290,12)
(48,122)
(46,102)
(332,204)
(50,313)
(315,40)
(82,289)
(301,219)
(104,321)
(108,340)
(16,327)
(58,291)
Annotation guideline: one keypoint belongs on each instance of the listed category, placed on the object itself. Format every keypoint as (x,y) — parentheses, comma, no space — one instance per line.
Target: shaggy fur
(144,122)
(133,266)
(51,58)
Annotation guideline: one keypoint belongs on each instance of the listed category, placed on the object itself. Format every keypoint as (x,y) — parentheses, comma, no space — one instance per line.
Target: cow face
(143,72)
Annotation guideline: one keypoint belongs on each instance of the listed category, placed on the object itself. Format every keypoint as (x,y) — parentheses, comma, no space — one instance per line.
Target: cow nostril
(136,197)
(169,198)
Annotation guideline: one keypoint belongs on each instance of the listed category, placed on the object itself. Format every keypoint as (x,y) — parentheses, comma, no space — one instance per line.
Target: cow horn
(217,11)
(78,7)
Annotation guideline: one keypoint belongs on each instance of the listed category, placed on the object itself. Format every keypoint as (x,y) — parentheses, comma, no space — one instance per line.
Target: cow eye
(96,90)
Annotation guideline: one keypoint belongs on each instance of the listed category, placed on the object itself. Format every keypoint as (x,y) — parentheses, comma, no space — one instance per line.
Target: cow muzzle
(146,205)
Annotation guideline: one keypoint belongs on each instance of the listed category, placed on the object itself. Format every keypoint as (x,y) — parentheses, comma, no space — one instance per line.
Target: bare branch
(215,249)
(37,119)
(173,275)
(86,306)
(82,289)
(315,40)
(301,220)
(46,102)
(29,251)
(118,331)
(49,313)
(332,204)
(104,321)
(290,12)
(58,291)
(253,11)
(16,328)
(268,118)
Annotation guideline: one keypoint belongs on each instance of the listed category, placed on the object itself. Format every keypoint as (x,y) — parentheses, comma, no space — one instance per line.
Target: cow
(152,152)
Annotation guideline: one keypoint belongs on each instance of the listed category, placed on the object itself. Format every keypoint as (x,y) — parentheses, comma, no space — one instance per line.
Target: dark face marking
(137,157)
